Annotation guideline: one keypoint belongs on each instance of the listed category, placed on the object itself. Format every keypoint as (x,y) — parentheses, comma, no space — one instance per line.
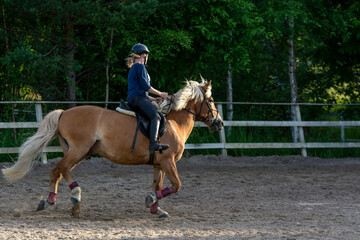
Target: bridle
(212,119)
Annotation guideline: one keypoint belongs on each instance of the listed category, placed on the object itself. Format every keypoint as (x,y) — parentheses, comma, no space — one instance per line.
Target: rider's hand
(158,100)
(164,95)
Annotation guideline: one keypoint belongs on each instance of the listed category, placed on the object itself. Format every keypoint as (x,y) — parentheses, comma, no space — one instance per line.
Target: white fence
(222,144)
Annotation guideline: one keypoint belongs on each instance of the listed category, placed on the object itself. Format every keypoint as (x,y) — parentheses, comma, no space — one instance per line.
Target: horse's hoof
(75,211)
(150,200)
(162,214)
(41,205)
(74,201)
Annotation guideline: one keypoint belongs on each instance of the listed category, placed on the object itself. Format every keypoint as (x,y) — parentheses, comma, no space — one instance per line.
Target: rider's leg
(154,134)
(143,106)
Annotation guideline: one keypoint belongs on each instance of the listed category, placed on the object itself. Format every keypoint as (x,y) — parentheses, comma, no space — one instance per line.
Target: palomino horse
(87,130)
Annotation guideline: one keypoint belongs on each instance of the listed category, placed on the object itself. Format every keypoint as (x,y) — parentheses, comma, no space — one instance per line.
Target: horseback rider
(138,93)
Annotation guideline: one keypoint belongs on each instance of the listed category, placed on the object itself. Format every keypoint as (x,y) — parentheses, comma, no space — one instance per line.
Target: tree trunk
(229,98)
(70,73)
(13,111)
(5,33)
(12,90)
(107,68)
(297,132)
(293,83)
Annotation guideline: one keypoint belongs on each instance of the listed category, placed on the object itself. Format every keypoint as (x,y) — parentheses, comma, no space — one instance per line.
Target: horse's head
(206,111)
(196,99)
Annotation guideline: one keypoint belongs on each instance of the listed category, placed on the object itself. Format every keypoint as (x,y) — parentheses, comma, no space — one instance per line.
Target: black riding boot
(154,131)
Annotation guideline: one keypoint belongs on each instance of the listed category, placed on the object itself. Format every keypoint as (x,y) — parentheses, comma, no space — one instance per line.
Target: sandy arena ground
(221,198)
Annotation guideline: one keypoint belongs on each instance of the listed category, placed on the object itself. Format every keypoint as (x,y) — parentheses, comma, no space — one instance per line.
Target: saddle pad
(144,124)
(130,113)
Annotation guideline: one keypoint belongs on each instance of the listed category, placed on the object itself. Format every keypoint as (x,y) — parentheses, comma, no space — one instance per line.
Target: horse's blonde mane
(191,90)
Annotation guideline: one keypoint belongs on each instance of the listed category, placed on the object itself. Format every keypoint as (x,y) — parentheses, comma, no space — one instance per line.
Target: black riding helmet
(139,49)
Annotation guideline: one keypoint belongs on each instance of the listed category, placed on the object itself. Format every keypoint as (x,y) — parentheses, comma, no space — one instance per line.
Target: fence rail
(223,144)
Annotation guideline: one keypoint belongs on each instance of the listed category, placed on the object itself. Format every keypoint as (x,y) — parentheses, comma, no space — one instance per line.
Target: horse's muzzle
(217,125)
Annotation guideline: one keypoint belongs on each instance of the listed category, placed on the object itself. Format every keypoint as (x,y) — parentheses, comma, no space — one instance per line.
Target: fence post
(39,118)
(342,129)
(301,131)
(222,133)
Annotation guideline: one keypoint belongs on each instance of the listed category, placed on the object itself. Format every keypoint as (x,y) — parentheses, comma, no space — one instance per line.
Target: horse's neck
(183,121)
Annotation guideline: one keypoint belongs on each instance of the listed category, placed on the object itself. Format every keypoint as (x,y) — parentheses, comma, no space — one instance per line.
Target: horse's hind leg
(55,177)
(64,166)
(62,169)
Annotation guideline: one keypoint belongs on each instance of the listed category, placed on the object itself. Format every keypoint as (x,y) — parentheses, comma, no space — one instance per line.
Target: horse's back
(80,118)
(91,120)
(112,132)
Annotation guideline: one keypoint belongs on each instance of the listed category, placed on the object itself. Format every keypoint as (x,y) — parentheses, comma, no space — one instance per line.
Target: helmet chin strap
(145,61)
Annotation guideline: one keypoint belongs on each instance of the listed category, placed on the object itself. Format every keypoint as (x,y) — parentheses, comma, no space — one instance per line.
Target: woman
(138,93)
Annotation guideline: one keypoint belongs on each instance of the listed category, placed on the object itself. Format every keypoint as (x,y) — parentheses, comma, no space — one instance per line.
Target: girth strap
(134,141)
(152,155)
(151,159)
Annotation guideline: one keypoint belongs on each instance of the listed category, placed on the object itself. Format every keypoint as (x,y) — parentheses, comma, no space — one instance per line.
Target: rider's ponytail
(131,60)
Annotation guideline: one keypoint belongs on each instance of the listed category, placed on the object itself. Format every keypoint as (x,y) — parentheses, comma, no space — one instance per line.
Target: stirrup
(158,147)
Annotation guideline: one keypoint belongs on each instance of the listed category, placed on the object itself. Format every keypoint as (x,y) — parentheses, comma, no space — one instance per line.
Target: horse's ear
(208,85)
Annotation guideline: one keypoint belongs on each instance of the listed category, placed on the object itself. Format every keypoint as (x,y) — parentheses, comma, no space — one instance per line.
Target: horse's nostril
(219,125)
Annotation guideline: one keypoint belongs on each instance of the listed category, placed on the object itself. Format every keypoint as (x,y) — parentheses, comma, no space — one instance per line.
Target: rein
(168,105)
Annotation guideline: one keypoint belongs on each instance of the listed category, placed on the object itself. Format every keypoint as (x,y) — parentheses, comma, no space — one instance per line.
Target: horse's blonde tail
(34,146)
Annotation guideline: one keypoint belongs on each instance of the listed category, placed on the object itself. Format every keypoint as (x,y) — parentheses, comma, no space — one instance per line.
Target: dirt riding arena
(221,198)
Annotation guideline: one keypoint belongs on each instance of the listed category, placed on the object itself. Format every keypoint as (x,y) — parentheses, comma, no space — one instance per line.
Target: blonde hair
(129,61)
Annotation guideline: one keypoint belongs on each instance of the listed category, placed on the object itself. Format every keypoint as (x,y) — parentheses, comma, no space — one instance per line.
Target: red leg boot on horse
(55,177)
(167,167)
(151,201)
(75,198)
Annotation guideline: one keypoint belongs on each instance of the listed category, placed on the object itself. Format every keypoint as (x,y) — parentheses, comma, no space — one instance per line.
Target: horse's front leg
(168,167)
(151,200)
